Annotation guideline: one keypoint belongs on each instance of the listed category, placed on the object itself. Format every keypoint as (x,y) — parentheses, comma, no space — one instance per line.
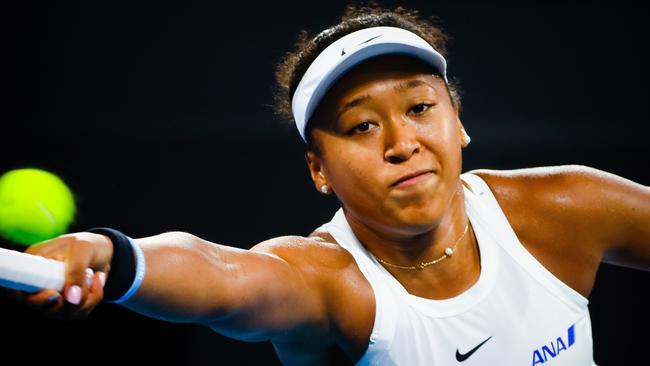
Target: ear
(315,166)
(464,137)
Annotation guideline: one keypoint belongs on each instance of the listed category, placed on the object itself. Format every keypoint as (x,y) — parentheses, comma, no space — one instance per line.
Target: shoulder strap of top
(385,307)
(484,202)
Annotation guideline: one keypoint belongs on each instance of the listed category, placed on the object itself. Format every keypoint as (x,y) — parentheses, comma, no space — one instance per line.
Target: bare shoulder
(569,189)
(308,253)
(560,175)
(572,216)
(349,296)
(322,263)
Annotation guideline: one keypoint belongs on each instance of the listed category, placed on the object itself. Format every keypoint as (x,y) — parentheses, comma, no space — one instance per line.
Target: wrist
(126,270)
(105,253)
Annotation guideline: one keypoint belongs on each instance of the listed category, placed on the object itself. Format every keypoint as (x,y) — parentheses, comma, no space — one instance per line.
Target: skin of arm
(192,280)
(264,293)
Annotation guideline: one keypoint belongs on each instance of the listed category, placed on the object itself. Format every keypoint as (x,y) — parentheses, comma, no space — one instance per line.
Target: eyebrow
(354,103)
(412,84)
(366,97)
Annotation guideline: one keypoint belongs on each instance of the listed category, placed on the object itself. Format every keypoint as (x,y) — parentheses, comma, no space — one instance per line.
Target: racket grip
(31,273)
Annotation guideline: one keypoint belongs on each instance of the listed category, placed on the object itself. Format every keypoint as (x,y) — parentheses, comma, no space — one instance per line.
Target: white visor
(349,51)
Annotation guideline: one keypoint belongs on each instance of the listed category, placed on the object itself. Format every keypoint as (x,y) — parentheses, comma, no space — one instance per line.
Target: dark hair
(294,64)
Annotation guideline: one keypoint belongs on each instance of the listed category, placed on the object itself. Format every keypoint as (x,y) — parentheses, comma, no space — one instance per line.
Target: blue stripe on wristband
(140,269)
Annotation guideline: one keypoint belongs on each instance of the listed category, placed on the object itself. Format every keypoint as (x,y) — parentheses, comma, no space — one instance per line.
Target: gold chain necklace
(449,251)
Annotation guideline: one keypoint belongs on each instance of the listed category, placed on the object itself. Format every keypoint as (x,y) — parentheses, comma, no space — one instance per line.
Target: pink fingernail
(102,278)
(74,295)
(89,279)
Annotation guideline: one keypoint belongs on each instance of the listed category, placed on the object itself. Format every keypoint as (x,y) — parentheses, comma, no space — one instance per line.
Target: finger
(34,300)
(95,292)
(42,297)
(95,296)
(76,274)
(76,294)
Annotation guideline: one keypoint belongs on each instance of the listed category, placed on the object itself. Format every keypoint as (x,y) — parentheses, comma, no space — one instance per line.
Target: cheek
(349,171)
(441,136)
(352,171)
(442,139)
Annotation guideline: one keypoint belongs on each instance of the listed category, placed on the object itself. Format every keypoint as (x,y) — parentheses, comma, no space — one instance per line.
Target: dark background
(156,116)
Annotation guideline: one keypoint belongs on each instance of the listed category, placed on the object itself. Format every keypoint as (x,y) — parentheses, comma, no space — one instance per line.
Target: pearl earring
(324,188)
(466,138)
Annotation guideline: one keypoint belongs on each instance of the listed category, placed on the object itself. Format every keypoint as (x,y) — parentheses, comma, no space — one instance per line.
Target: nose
(400,139)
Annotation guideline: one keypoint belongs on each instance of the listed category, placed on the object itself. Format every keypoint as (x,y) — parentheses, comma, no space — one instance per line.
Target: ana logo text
(554,347)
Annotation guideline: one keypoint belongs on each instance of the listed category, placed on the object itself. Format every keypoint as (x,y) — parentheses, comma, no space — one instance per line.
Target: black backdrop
(156,115)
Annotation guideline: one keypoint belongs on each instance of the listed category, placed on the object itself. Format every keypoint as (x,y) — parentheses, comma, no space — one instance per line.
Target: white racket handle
(31,273)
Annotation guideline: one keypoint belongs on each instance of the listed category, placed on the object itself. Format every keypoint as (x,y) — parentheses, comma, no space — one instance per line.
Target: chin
(417,220)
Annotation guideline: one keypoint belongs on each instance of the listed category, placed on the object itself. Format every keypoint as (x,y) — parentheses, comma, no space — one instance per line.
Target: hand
(83,290)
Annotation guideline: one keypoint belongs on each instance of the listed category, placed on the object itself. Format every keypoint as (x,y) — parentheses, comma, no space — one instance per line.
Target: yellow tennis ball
(35,205)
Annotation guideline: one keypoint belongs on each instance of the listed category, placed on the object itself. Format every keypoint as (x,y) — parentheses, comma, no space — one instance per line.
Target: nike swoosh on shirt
(462,357)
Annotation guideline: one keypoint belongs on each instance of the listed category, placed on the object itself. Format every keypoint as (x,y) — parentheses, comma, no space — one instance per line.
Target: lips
(411,175)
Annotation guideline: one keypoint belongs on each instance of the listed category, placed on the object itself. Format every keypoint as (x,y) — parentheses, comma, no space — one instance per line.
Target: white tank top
(517,313)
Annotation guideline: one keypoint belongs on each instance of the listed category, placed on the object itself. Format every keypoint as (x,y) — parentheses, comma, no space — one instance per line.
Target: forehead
(375,71)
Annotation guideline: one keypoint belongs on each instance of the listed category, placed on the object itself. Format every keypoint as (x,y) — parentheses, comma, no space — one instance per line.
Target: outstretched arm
(249,295)
(278,287)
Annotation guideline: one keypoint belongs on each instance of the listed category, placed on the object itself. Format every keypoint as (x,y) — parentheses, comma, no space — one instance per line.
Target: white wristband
(140,268)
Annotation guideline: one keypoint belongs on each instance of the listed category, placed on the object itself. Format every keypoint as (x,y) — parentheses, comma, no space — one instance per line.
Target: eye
(420,108)
(361,128)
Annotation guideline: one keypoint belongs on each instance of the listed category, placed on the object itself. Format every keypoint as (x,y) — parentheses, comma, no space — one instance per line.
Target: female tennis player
(421,265)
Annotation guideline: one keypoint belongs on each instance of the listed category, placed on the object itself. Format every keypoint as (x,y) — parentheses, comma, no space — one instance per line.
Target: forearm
(243,294)
(183,274)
